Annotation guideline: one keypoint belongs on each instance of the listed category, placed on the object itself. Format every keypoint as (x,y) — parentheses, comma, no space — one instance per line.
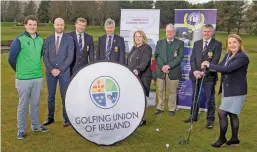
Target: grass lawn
(144,139)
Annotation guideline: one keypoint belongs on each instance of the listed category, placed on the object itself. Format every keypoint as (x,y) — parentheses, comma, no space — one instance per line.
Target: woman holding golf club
(139,61)
(233,69)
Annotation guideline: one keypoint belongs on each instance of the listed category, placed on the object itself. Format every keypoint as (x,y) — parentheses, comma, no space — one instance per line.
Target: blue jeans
(51,86)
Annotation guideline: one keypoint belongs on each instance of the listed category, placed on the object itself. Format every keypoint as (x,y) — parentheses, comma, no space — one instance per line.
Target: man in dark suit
(110,46)
(58,55)
(169,53)
(206,49)
(83,46)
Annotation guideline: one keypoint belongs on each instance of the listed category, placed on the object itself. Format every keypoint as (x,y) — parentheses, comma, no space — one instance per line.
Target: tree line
(232,15)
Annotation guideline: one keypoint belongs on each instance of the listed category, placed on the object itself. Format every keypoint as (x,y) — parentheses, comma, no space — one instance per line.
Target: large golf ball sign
(105,102)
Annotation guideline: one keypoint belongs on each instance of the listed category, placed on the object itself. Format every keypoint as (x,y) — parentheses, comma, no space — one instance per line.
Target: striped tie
(57,45)
(108,51)
(80,42)
(205,46)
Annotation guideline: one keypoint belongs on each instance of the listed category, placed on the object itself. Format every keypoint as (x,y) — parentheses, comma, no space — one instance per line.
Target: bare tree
(107,9)
(61,9)
(4,6)
(13,11)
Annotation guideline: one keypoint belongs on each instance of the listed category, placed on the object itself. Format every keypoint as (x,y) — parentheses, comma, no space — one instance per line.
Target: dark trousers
(209,89)
(51,86)
(146,81)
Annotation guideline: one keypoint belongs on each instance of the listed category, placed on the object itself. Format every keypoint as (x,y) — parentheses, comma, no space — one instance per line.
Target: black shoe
(172,113)
(142,123)
(233,142)
(48,122)
(189,120)
(66,124)
(158,111)
(209,124)
(219,143)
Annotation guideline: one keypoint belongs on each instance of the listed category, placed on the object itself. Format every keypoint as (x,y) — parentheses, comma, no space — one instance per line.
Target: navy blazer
(86,55)
(117,52)
(233,74)
(64,57)
(212,54)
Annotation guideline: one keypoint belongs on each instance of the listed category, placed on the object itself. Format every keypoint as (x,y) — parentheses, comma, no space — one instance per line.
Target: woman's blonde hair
(142,33)
(238,39)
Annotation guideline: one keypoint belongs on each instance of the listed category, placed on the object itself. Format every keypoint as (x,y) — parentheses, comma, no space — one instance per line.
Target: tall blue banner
(188,23)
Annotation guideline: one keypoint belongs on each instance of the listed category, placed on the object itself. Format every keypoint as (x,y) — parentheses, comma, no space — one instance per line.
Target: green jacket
(171,55)
(25,56)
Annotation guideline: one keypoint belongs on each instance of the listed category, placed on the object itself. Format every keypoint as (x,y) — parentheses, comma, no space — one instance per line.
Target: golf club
(195,103)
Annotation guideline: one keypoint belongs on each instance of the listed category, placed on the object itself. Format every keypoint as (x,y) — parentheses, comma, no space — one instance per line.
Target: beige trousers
(171,86)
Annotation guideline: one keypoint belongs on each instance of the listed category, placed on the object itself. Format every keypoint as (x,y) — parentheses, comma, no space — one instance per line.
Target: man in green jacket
(25,59)
(168,55)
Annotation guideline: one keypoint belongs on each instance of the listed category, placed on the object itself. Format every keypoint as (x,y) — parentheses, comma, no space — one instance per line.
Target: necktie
(108,51)
(205,46)
(57,44)
(80,42)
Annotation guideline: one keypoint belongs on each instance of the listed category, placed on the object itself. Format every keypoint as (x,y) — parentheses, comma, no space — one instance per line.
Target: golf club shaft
(195,104)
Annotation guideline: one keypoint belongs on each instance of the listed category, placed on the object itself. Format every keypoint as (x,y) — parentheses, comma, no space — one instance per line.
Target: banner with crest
(188,23)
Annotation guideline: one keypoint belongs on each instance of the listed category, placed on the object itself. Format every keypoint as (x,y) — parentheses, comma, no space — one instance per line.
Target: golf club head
(190,128)
(183,142)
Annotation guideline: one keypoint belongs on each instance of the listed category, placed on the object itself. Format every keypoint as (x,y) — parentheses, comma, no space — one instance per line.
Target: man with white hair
(58,55)
(111,47)
(169,53)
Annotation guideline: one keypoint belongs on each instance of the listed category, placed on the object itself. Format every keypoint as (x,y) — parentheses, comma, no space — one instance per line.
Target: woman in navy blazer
(233,69)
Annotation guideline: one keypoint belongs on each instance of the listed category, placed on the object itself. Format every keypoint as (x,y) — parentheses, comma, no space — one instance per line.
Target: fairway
(144,139)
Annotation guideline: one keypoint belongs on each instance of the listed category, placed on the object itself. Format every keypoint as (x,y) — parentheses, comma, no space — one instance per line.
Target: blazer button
(226,84)
(56,64)
(226,76)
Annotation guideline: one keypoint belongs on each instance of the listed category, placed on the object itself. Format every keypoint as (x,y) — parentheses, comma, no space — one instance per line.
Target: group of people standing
(65,53)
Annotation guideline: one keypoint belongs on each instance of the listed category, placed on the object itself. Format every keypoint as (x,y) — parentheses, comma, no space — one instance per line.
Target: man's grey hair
(170,26)
(209,26)
(109,22)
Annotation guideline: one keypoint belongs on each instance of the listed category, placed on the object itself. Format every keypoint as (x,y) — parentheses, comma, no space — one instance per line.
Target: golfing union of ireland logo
(104,92)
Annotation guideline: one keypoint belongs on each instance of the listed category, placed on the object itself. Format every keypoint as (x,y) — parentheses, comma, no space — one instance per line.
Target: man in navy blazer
(58,55)
(110,46)
(83,46)
(206,49)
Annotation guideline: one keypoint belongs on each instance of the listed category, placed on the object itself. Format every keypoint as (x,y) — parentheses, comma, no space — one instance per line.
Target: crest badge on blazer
(116,49)
(210,54)
(87,47)
(175,53)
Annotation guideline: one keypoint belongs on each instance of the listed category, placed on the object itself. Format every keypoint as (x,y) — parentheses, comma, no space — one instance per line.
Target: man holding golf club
(206,49)
(169,53)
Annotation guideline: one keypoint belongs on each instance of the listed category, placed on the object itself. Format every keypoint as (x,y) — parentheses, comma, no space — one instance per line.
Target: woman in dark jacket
(233,69)
(139,61)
